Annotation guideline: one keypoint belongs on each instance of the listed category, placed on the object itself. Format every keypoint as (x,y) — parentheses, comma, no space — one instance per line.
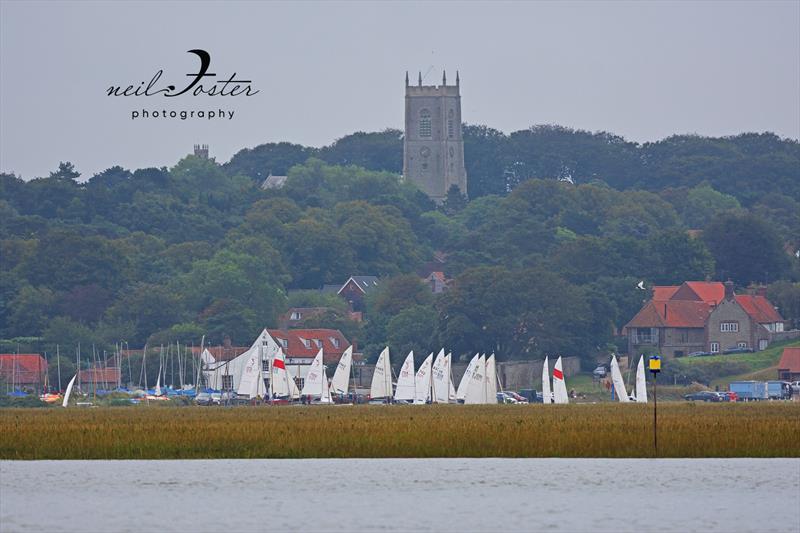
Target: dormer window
(334,341)
(284,343)
(306,342)
(296,315)
(318,342)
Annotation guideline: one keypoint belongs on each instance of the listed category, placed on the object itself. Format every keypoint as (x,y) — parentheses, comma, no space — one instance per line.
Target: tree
(678,257)
(397,294)
(746,249)
(412,329)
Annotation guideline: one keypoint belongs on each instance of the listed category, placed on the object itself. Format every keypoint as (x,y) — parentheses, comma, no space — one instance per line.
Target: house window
(318,342)
(424,123)
(714,347)
(265,365)
(728,327)
(306,343)
(227,383)
(296,315)
(683,335)
(762,344)
(646,336)
(779,326)
(335,342)
(742,345)
(284,343)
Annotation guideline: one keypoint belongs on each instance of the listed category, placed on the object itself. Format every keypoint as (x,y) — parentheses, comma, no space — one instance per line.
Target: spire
(444,78)
(420,79)
(457,80)
(406,78)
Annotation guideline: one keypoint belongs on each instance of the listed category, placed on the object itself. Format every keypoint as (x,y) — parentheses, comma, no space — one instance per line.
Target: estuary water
(570,495)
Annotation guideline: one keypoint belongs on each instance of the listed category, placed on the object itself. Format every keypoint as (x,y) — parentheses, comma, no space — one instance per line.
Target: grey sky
(644,70)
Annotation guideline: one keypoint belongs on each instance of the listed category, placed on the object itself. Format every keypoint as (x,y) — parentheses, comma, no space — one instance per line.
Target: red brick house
(789,365)
(702,316)
(302,345)
(99,378)
(355,288)
(25,370)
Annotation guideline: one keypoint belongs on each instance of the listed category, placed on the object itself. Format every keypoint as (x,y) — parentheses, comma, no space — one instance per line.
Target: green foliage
(746,249)
(537,265)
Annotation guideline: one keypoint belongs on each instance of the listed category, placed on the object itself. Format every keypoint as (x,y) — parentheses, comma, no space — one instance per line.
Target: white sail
(294,392)
(559,385)
(324,389)
(490,383)
(422,381)
(69,391)
(406,382)
(382,377)
(547,397)
(641,383)
(316,373)
(441,378)
(451,396)
(462,385)
(341,377)
(158,383)
(279,377)
(476,391)
(251,382)
(616,379)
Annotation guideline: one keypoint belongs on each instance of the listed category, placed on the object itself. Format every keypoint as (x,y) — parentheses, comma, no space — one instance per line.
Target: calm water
(507,495)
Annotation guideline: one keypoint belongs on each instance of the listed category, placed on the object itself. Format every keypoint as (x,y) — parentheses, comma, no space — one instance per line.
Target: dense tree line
(544,257)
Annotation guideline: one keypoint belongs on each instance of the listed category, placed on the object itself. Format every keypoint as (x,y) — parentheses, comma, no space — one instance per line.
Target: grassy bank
(606,430)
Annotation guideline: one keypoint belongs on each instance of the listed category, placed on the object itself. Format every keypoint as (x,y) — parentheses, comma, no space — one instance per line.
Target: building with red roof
(703,316)
(789,365)
(24,370)
(302,345)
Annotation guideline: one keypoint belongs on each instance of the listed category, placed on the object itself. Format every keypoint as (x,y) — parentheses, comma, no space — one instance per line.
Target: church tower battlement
(433,147)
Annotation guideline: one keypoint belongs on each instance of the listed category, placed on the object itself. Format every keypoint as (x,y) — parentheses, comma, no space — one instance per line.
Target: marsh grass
(604,430)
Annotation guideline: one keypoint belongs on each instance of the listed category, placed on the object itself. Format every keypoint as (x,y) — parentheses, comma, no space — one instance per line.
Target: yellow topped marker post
(655,367)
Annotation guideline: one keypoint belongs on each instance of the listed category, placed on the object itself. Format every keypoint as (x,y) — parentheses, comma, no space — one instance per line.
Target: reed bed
(603,430)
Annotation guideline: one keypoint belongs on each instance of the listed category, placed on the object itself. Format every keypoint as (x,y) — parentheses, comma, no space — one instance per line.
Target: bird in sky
(640,285)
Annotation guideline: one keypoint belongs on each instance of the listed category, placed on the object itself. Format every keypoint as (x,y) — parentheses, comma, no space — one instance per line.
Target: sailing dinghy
(559,385)
(641,383)
(382,377)
(406,381)
(619,383)
(547,397)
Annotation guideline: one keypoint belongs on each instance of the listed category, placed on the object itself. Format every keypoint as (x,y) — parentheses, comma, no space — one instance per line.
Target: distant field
(603,430)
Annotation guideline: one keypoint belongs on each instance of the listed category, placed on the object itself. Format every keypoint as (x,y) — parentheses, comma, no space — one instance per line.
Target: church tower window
(450,124)
(424,123)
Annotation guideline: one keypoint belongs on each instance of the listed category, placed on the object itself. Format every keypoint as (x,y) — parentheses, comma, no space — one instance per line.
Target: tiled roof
(24,368)
(664,292)
(221,353)
(759,308)
(100,375)
(708,291)
(364,283)
(305,343)
(790,359)
(671,314)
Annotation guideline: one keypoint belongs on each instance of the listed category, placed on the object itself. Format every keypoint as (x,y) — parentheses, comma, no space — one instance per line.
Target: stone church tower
(433,148)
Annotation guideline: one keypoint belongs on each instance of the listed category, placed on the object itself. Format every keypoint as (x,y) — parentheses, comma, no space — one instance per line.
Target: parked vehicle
(749,390)
(701,354)
(796,387)
(503,397)
(520,398)
(703,396)
(729,396)
(779,390)
(529,394)
(203,398)
(738,350)
(600,371)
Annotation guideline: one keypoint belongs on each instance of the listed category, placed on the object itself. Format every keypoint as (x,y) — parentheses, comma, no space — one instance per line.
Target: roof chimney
(729,290)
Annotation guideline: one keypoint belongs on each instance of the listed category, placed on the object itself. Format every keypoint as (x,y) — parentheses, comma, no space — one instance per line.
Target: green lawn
(756,360)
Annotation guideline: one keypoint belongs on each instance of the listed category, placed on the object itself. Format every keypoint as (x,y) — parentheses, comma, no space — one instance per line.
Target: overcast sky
(643,70)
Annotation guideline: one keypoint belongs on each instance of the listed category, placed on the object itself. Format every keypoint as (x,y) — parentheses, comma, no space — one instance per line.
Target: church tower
(433,148)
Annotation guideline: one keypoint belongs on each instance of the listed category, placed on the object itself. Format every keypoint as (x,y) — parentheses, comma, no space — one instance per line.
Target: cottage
(703,316)
(789,365)
(23,371)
